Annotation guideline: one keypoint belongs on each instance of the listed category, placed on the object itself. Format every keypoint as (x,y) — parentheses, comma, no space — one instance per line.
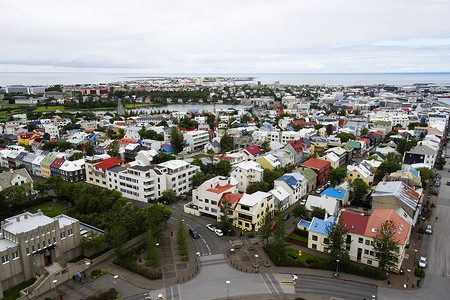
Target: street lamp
(228,289)
(157,245)
(232,252)
(115,277)
(337,268)
(160,296)
(54,282)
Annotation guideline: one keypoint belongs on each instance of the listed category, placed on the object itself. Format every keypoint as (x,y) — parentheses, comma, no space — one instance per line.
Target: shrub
(301,232)
(109,294)
(420,230)
(183,252)
(185,258)
(97,273)
(251,235)
(298,238)
(128,261)
(420,272)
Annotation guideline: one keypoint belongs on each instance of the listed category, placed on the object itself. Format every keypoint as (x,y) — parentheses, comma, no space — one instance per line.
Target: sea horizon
(326,78)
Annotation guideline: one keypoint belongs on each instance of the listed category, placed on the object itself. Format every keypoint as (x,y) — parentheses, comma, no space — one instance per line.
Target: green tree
(279,234)
(336,241)
(299,211)
(404,145)
(163,123)
(157,216)
(225,143)
(223,168)
(318,212)
(168,196)
(264,231)
(176,140)
(360,188)
(337,175)
(386,168)
(226,216)
(385,246)
(162,157)
(364,131)
(345,137)
(93,241)
(153,255)
(440,163)
(270,176)
(181,235)
(329,129)
(318,126)
(117,237)
(258,186)
(425,175)
(265,147)
(395,157)
(89,149)
(114,149)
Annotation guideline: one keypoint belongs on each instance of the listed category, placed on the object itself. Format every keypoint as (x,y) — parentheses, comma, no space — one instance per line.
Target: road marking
(206,244)
(287,282)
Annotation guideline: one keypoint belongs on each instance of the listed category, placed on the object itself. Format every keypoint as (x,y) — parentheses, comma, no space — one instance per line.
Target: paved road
(120,108)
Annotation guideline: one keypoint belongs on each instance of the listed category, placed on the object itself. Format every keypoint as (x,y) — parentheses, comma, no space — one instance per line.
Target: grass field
(129,105)
(49,108)
(14,292)
(55,211)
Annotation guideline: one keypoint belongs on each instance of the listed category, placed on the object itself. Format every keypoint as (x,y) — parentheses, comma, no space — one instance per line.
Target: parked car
(447,156)
(422,262)
(429,229)
(448,182)
(218,232)
(286,216)
(303,202)
(194,233)
(211,227)
(438,176)
(437,183)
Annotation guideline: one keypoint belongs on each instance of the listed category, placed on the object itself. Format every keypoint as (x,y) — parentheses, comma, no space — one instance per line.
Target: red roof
(354,222)
(298,145)
(364,140)
(232,198)
(315,163)
(220,189)
(379,216)
(224,157)
(253,150)
(108,163)
(57,163)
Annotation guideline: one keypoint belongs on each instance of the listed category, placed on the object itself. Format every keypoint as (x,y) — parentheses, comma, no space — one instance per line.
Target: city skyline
(232,37)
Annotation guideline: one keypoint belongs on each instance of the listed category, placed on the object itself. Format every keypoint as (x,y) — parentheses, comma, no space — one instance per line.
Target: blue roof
(320,226)
(334,193)
(166,149)
(290,180)
(304,223)
(35,122)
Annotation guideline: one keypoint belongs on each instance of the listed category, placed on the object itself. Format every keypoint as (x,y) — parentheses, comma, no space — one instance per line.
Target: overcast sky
(245,36)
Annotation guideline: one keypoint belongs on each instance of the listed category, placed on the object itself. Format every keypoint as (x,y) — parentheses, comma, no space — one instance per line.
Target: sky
(245,36)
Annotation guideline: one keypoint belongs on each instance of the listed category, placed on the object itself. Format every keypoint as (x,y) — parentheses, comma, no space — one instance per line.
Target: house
(341,195)
(213,146)
(246,173)
(131,150)
(395,194)
(280,196)
(96,168)
(321,167)
(333,159)
(146,156)
(55,167)
(355,146)
(420,154)
(344,155)
(45,166)
(251,209)
(251,152)
(300,148)
(269,162)
(331,205)
(30,242)
(359,172)
(36,165)
(25,138)
(27,162)
(317,232)
(14,177)
(311,178)
(294,184)
(197,139)
(73,171)
(408,175)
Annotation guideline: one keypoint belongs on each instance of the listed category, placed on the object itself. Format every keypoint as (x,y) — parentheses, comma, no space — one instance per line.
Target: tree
(337,175)
(176,140)
(117,236)
(157,216)
(226,216)
(162,157)
(225,143)
(364,131)
(404,145)
(265,147)
(270,176)
(318,126)
(336,241)
(163,123)
(114,149)
(264,231)
(385,246)
(345,137)
(223,168)
(258,186)
(89,149)
(181,235)
(394,157)
(299,211)
(329,129)
(93,241)
(386,168)
(360,188)
(279,234)
(168,196)
(318,212)
(425,175)
(153,256)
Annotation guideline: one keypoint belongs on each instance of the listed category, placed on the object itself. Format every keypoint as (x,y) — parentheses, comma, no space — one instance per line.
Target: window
(314,237)
(26,238)
(360,240)
(43,244)
(70,232)
(63,235)
(54,239)
(39,246)
(369,262)
(366,251)
(49,242)
(42,231)
(48,230)
(32,248)
(15,255)
(314,246)
(371,253)
(367,242)
(31,236)
(5,259)
(28,250)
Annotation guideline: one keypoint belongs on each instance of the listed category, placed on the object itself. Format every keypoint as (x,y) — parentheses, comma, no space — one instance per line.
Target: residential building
(408,175)
(317,233)
(45,166)
(28,162)
(294,184)
(311,178)
(330,205)
(96,168)
(420,154)
(341,195)
(246,173)
(55,167)
(251,209)
(36,165)
(14,177)
(359,172)
(280,196)
(73,171)
(197,139)
(251,152)
(321,167)
(269,162)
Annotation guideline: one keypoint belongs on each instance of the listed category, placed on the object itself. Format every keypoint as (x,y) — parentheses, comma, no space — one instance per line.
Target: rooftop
(334,193)
(108,163)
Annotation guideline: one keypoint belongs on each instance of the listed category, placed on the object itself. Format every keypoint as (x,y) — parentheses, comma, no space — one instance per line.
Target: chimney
(25,217)
(18,219)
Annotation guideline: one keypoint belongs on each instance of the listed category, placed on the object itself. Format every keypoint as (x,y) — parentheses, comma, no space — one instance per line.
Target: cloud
(228,36)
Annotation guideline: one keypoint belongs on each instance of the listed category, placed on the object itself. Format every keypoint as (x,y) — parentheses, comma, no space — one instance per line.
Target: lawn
(55,211)
(298,238)
(130,105)
(49,108)
(14,292)
(305,257)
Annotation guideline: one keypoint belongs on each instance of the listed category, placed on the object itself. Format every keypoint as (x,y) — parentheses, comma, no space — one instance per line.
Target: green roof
(48,160)
(307,172)
(377,153)
(354,144)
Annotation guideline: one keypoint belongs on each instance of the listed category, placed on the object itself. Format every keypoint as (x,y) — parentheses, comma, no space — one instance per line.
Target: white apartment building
(293,183)
(287,136)
(247,172)
(52,130)
(197,139)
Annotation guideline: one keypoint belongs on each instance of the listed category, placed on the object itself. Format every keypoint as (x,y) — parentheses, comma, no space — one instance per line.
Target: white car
(218,232)
(422,262)
(211,227)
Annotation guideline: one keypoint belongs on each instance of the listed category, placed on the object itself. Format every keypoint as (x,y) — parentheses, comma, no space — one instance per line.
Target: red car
(273,225)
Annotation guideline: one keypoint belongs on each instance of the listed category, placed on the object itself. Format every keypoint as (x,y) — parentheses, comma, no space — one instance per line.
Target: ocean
(345,79)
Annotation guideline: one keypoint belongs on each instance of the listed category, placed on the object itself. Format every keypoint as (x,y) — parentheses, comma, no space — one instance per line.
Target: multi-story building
(36,165)
(45,166)
(295,184)
(420,154)
(197,139)
(14,177)
(73,171)
(96,167)
(251,208)
(247,172)
(55,167)
(29,242)
(321,167)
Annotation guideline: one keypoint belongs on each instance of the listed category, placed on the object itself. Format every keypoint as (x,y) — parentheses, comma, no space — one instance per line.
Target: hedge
(110,294)
(128,261)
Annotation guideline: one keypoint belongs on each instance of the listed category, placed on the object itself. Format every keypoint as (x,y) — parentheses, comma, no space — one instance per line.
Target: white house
(247,172)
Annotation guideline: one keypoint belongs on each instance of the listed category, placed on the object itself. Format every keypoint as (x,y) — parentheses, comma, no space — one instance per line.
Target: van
(194,233)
